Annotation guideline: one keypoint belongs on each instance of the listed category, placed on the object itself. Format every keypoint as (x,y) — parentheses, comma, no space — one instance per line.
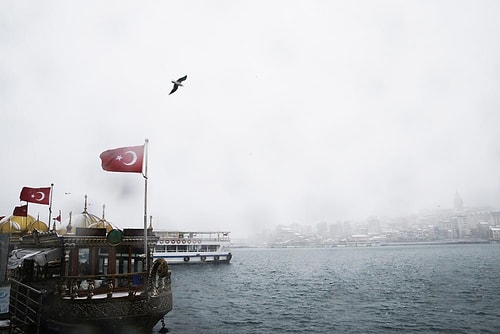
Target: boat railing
(25,306)
(91,285)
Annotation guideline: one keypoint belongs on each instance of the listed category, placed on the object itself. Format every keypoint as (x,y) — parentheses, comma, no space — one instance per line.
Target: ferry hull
(186,258)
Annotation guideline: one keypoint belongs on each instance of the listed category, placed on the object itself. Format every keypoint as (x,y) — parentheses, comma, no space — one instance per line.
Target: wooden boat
(92,280)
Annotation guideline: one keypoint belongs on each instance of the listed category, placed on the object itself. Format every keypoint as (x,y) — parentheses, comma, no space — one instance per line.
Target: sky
(293,111)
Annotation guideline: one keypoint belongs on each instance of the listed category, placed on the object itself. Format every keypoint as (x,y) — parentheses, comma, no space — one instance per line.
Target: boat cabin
(90,256)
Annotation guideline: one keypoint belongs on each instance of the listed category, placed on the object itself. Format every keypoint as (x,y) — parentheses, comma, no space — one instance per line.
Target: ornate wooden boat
(95,280)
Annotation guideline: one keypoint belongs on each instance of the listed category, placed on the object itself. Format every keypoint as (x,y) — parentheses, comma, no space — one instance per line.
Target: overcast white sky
(293,111)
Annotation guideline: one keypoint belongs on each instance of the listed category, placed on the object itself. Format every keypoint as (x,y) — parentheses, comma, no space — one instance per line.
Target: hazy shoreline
(386,244)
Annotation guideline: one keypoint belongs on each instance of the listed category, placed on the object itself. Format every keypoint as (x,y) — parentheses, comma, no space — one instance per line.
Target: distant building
(484,230)
(495,233)
(373,225)
(448,229)
(322,228)
(458,203)
(336,230)
(347,228)
(496,217)
(460,225)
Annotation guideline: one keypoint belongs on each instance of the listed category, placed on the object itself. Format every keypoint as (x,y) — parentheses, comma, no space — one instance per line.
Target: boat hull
(127,315)
(112,312)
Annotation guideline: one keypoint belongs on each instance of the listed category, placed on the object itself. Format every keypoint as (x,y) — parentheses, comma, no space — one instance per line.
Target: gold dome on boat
(38,225)
(15,224)
(9,226)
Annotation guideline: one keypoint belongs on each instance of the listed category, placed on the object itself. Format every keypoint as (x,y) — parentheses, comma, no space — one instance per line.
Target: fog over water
(292,111)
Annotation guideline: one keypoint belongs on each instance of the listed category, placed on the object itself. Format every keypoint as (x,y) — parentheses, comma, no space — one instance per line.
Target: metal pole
(145,175)
(50,203)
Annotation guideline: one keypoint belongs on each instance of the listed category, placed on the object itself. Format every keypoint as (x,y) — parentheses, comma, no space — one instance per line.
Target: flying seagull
(178,83)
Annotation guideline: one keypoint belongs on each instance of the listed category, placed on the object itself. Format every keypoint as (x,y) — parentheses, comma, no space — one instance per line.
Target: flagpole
(54,219)
(145,175)
(50,202)
(25,219)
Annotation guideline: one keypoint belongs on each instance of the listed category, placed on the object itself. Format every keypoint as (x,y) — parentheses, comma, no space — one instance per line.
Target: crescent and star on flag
(120,158)
(40,198)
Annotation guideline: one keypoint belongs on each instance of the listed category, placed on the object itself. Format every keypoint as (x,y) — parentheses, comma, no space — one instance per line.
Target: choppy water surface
(419,289)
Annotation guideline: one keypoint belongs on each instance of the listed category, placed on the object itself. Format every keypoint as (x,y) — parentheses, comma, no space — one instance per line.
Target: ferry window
(182,248)
(171,248)
(159,248)
(83,261)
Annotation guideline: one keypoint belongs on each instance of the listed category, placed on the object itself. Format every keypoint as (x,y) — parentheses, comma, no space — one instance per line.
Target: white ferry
(193,247)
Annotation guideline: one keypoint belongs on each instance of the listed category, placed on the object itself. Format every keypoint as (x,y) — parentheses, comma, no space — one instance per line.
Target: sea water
(392,289)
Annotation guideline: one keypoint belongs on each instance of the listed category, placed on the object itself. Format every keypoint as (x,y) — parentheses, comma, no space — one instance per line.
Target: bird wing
(173,89)
(182,79)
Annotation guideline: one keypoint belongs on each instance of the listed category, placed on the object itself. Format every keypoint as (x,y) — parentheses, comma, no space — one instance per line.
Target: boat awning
(40,256)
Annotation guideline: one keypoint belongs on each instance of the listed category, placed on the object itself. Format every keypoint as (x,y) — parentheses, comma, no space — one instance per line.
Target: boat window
(121,263)
(171,248)
(102,267)
(83,261)
(160,248)
(136,264)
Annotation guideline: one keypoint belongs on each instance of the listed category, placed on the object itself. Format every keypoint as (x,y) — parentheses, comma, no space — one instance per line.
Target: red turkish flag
(21,211)
(35,195)
(123,159)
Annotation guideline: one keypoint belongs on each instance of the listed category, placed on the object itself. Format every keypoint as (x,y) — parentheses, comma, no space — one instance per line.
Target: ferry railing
(203,236)
(193,241)
(25,306)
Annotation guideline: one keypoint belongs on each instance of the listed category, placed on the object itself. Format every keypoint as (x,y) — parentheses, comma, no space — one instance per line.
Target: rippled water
(419,289)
